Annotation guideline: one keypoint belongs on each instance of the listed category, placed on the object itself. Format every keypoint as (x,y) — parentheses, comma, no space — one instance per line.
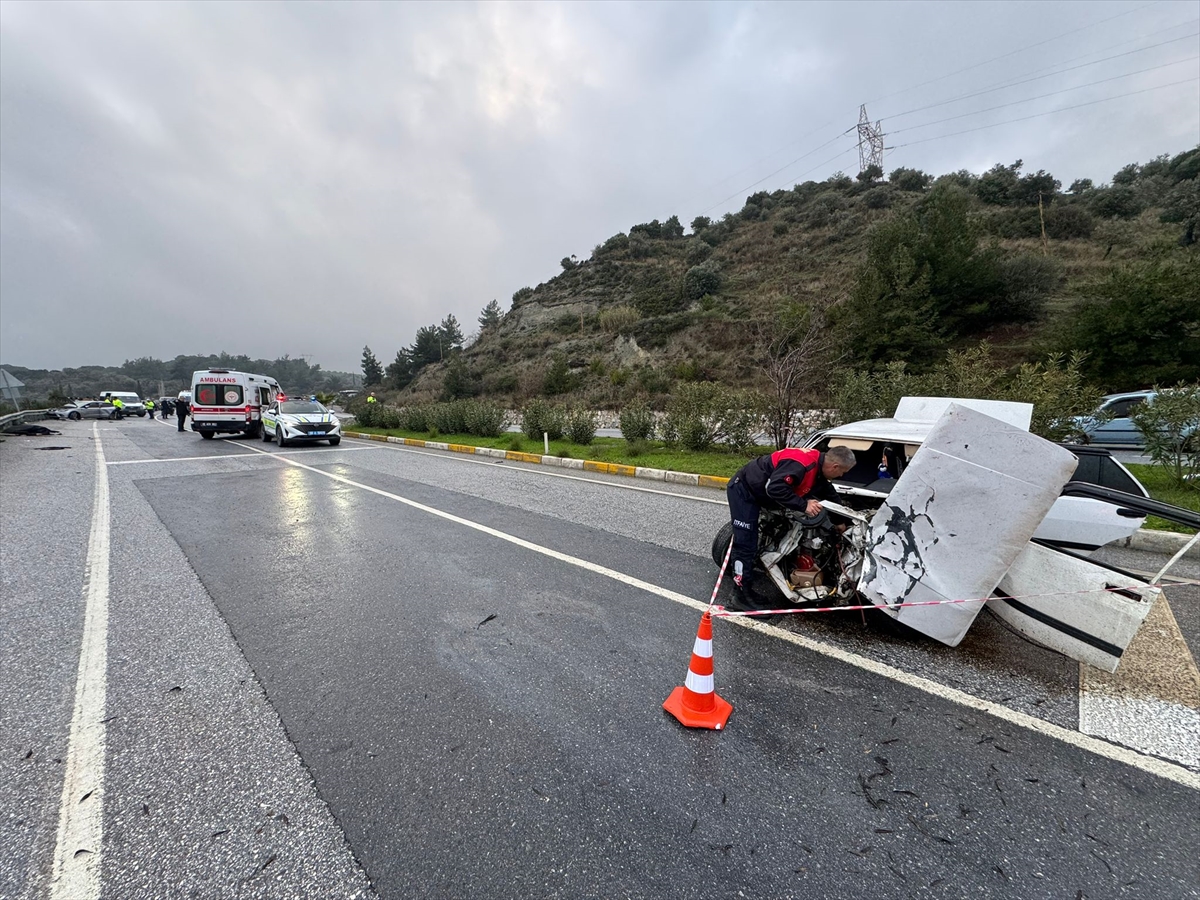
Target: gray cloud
(307,178)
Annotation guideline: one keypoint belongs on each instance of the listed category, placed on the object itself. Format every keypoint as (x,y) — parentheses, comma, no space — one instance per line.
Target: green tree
(489,316)
(558,378)
(925,279)
(426,348)
(451,334)
(870,174)
(1170,427)
(998,185)
(400,370)
(458,382)
(909,179)
(371,369)
(1139,325)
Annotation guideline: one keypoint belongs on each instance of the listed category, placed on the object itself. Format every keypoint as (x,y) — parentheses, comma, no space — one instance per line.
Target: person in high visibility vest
(149,404)
(119,406)
(372,399)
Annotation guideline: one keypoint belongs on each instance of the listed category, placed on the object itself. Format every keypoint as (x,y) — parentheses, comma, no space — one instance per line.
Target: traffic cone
(696,703)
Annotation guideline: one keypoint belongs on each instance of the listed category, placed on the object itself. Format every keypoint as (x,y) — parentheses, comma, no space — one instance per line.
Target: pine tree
(400,371)
(372,370)
(451,335)
(489,317)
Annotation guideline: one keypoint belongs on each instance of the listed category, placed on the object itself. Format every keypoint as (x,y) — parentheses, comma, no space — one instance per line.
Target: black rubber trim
(1069,630)
(1070,545)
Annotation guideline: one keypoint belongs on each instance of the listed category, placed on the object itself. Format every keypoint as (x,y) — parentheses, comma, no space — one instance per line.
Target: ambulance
(229,402)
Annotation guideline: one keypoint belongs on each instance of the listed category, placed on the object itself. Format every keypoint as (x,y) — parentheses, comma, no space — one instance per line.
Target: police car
(291,420)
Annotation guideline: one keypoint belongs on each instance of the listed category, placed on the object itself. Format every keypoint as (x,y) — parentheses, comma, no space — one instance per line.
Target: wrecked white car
(957,526)
(884,447)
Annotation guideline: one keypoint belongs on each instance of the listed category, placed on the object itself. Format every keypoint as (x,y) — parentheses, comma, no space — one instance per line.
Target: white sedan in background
(288,421)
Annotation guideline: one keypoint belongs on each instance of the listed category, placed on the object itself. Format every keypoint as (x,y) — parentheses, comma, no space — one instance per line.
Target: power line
(1050,113)
(757,162)
(1040,77)
(1011,53)
(1071,59)
(737,194)
(1077,87)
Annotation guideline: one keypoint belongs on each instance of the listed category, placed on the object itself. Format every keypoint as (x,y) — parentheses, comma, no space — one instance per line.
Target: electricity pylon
(870,141)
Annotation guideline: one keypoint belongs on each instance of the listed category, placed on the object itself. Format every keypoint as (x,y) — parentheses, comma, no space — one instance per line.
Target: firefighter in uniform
(793,479)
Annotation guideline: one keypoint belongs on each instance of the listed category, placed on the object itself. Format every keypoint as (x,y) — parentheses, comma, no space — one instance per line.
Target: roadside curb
(1142,539)
(1169,542)
(586,465)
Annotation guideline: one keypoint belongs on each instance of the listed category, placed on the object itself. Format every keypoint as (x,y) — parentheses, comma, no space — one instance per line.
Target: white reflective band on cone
(703,648)
(698,684)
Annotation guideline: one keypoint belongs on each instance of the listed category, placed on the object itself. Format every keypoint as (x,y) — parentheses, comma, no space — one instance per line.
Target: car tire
(333,442)
(112,416)
(75,417)
(721,543)
(207,435)
(279,438)
(267,437)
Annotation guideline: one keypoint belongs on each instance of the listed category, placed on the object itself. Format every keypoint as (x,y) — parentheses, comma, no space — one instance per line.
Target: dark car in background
(1111,425)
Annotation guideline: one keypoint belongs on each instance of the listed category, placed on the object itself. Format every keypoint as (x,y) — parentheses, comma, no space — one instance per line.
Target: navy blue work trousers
(743,513)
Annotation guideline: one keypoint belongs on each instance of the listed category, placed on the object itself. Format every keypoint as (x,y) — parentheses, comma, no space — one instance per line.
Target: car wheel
(333,442)
(279,439)
(721,543)
(112,416)
(266,436)
(207,435)
(74,416)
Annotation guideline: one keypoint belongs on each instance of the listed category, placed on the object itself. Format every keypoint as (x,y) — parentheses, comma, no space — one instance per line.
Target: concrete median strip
(562,462)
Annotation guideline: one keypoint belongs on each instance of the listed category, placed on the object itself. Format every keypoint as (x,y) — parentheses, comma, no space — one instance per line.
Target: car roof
(1129,394)
(916,415)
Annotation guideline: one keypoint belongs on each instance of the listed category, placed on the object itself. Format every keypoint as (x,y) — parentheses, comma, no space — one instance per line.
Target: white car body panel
(962,512)
(1064,603)
(1081,521)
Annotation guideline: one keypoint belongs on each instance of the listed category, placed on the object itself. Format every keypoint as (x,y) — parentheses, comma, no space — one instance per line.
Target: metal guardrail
(20,418)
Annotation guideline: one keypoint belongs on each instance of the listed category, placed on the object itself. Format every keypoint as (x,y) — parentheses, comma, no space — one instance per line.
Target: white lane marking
(1150,764)
(77,853)
(462,457)
(170,459)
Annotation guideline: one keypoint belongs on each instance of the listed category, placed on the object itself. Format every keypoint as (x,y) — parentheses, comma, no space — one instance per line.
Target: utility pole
(1042,219)
(870,141)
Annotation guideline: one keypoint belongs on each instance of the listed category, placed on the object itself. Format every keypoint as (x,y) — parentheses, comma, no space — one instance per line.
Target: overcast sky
(307,178)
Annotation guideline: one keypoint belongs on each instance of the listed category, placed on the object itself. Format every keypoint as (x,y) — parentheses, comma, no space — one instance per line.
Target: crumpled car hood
(959,515)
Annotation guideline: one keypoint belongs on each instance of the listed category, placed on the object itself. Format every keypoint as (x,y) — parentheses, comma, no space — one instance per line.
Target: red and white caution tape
(734,613)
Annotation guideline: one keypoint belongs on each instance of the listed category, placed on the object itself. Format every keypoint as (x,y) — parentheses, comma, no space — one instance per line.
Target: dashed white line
(1149,764)
(256,453)
(78,851)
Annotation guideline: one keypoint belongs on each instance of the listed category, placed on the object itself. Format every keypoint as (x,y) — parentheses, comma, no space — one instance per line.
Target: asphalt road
(384,671)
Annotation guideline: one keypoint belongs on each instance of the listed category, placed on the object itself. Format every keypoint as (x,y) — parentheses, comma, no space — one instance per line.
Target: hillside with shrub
(805,295)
